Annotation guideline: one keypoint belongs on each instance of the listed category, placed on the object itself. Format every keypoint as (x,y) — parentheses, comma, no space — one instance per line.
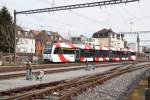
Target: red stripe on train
(82,59)
(62,58)
(96,58)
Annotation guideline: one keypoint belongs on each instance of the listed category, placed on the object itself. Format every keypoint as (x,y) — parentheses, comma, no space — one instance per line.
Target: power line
(135,32)
(76,13)
(76,6)
(138,38)
(144,40)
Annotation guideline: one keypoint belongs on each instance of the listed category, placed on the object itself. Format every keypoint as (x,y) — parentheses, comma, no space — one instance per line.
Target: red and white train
(68,52)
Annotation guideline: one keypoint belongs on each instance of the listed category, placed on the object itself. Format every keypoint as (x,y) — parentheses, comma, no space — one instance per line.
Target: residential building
(108,38)
(38,44)
(84,40)
(53,36)
(25,41)
(46,37)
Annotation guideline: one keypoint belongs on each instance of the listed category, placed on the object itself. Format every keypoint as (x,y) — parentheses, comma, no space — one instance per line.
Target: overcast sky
(84,21)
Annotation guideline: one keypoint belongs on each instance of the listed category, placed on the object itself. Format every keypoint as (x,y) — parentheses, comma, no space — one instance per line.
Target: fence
(8,58)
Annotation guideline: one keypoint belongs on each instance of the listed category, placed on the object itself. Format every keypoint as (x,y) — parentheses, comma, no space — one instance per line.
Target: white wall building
(116,40)
(25,42)
(26,45)
(108,38)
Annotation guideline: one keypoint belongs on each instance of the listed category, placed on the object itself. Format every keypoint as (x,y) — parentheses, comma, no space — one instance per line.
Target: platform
(21,82)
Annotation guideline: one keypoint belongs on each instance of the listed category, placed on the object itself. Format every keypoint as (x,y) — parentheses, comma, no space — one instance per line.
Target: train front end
(132,55)
(47,55)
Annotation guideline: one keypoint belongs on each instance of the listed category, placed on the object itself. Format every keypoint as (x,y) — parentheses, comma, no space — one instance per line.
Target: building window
(32,41)
(32,50)
(90,39)
(19,32)
(26,33)
(26,41)
(113,35)
(93,40)
(59,39)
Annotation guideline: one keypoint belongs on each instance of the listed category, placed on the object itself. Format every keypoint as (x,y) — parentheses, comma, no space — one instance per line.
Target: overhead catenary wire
(75,6)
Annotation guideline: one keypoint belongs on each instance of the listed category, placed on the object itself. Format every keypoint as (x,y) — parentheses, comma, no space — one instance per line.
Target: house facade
(25,41)
(46,37)
(108,38)
(84,40)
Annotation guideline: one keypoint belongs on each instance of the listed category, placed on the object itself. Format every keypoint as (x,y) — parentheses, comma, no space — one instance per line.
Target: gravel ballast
(116,88)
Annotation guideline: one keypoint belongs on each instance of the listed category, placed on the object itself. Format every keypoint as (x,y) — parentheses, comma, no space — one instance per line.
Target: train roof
(64,45)
(88,47)
(101,48)
(131,50)
(112,48)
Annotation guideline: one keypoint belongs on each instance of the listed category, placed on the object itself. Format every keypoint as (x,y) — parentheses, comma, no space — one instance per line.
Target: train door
(128,55)
(110,55)
(77,55)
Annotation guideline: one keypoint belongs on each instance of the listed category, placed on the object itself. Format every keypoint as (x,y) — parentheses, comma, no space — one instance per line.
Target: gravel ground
(114,89)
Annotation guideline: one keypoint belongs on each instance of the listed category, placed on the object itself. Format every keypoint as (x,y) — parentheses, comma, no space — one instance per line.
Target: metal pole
(147,91)
(94,52)
(138,44)
(148,81)
(15,37)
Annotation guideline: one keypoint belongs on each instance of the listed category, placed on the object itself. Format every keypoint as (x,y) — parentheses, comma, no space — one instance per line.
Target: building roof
(47,32)
(105,32)
(22,33)
(35,32)
(19,28)
(102,33)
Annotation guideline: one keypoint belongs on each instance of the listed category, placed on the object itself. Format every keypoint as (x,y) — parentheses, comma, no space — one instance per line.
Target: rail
(66,89)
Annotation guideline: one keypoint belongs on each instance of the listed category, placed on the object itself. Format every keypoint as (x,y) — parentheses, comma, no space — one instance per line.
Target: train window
(102,53)
(113,54)
(97,53)
(121,54)
(118,54)
(86,53)
(57,51)
(133,53)
(125,54)
(67,51)
(107,53)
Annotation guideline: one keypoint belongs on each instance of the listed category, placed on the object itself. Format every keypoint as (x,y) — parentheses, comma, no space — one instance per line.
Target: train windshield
(133,53)
(47,49)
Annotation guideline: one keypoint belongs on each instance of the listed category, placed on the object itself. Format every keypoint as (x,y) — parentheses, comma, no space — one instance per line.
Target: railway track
(43,66)
(56,69)
(66,89)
